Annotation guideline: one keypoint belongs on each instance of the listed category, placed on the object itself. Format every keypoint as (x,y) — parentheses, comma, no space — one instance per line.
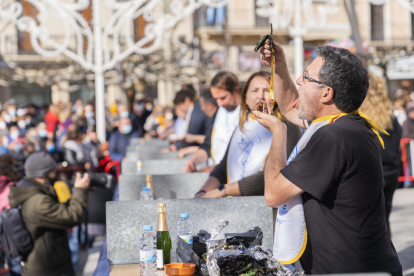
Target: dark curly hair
(7,167)
(346,74)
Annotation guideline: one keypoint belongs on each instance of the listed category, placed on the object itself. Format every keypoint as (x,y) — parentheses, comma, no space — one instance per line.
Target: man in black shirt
(338,173)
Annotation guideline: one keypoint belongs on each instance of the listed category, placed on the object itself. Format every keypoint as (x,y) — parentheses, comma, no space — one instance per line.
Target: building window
(87,15)
(261,22)
(139,28)
(23,38)
(377,22)
(412,26)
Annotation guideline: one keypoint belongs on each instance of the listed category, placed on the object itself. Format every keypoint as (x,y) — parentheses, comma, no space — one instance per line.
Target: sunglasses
(311,80)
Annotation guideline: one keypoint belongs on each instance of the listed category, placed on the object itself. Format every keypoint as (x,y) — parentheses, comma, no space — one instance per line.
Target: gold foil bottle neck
(142,141)
(162,217)
(140,156)
(162,208)
(138,148)
(149,183)
(139,165)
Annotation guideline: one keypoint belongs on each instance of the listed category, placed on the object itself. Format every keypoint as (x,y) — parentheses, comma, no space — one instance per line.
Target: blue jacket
(118,144)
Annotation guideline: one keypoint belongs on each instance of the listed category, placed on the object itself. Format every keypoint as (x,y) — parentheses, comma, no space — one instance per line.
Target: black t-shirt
(341,173)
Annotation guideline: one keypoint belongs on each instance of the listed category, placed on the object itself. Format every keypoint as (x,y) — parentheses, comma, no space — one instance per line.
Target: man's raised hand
(266,54)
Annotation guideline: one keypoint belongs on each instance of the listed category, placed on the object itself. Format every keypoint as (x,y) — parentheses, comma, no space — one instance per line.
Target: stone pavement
(402,228)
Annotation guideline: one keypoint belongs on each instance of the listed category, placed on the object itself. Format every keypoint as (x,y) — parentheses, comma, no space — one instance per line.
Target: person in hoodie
(45,218)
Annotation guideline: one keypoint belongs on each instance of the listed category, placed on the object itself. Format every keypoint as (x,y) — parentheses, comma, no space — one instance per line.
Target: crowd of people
(244,148)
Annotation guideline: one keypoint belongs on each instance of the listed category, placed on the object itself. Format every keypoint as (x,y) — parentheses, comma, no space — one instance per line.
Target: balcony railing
(21,44)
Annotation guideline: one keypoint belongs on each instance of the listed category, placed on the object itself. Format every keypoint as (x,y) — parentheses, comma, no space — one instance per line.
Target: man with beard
(330,190)
(45,218)
(225,88)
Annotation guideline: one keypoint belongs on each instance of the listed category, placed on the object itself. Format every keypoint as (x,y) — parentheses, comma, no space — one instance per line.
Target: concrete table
(153,167)
(153,155)
(150,143)
(125,220)
(173,186)
(130,270)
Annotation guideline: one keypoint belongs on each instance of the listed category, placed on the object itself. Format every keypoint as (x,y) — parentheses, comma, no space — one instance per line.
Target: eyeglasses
(311,79)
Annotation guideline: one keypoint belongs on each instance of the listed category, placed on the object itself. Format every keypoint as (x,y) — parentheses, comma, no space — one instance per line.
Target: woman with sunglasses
(240,173)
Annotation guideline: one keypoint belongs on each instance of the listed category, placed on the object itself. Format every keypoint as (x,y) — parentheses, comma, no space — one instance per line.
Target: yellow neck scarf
(374,126)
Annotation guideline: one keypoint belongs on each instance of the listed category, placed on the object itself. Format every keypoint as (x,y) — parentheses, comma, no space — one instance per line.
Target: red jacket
(51,119)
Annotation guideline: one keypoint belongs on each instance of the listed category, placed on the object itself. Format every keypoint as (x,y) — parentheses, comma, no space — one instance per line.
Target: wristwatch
(222,189)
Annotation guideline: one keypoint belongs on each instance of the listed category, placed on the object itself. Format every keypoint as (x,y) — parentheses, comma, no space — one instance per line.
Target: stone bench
(125,220)
(174,186)
(154,142)
(152,155)
(153,167)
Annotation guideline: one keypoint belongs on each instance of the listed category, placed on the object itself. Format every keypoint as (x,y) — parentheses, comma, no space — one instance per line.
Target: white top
(224,126)
(248,150)
(181,125)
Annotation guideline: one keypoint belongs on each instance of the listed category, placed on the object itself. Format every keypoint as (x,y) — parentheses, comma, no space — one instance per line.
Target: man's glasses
(306,79)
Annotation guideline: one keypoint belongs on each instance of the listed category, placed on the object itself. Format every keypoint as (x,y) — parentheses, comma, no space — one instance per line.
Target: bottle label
(188,239)
(147,256)
(160,259)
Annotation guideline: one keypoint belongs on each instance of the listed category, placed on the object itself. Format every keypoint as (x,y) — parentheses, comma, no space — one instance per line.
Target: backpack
(15,239)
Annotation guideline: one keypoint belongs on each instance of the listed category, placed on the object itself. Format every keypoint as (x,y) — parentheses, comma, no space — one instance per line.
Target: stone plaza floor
(402,228)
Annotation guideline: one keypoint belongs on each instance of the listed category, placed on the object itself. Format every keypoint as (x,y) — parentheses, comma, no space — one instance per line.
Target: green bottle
(163,238)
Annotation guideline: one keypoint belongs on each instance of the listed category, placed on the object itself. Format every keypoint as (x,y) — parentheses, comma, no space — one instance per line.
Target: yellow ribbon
(374,126)
(161,121)
(271,92)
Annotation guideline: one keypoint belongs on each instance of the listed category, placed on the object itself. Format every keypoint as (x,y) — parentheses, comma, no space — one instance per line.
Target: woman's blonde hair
(377,104)
(244,109)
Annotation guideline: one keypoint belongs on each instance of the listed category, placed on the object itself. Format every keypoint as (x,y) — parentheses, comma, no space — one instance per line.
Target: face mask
(140,107)
(21,124)
(169,116)
(12,112)
(7,118)
(37,148)
(21,112)
(126,129)
(50,147)
(148,107)
(3,125)
(89,114)
(124,114)
(5,142)
(18,148)
(14,134)
(42,133)
(28,121)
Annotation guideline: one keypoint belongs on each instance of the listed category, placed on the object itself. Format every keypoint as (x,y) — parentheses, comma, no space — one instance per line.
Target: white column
(99,73)
(298,32)
(388,21)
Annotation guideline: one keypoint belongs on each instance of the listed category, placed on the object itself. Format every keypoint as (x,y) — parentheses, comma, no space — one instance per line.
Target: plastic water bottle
(146,194)
(148,252)
(185,229)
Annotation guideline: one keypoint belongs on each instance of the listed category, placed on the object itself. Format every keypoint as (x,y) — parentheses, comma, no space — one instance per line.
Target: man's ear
(327,95)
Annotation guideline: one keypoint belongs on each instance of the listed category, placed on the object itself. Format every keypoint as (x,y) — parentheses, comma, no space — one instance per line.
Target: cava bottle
(164,245)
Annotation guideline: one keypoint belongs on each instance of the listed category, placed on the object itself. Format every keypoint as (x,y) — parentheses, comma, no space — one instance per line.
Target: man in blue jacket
(119,140)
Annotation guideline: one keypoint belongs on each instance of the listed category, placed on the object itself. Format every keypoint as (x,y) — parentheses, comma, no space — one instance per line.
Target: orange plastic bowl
(179,269)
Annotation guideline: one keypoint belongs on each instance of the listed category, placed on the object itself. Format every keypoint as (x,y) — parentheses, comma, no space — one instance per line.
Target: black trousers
(391,184)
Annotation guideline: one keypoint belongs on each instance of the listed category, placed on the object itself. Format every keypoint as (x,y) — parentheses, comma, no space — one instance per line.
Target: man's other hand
(189,166)
(270,122)
(82,182)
